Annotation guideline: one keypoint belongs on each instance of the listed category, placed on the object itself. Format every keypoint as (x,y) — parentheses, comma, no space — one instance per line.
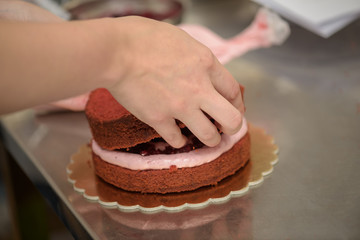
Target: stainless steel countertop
(305,93)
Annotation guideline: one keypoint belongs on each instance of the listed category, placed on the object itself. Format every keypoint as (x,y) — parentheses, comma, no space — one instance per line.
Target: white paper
(323,17)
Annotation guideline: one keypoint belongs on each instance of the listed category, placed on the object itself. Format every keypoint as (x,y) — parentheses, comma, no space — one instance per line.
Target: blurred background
(228,17)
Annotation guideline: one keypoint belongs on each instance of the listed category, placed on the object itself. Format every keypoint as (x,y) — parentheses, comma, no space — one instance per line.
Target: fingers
(227,114)
(224,113)
(170,132)
(226,105)
(202,128)
(228,117)
(196,122)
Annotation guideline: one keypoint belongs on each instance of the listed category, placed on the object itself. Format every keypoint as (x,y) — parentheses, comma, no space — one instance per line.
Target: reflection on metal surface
(231,220)
(37,136)
(263,157)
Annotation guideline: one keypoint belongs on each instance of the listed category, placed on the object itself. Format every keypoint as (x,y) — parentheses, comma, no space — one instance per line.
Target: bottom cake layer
(173,179)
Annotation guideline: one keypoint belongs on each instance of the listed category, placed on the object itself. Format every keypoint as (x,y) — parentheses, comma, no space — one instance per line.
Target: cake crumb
(173,168)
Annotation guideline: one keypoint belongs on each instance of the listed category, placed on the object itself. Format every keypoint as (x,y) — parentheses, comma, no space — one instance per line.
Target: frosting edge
(193,158)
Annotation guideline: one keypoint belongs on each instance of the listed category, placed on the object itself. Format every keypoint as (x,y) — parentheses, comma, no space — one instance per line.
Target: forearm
(155,70)
(43,62)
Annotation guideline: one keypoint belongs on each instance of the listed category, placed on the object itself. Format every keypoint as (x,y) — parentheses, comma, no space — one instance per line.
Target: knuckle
(234,91)
(196,91)
(180,105)
(207,58)
(156,119)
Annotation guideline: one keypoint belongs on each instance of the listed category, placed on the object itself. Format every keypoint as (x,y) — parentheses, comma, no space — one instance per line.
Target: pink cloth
(74,104)
(266,30)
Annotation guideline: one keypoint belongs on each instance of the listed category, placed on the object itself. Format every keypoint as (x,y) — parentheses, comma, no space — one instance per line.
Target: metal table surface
(305,93)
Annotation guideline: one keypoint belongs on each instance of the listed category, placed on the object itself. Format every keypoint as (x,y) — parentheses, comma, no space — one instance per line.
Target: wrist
(130,36)
(106,48)
(116,52)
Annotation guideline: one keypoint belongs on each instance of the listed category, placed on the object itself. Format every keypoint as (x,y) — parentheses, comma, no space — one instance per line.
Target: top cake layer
(112,126)
(104,107)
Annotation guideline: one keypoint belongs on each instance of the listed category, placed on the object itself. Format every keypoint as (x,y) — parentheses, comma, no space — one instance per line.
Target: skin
(154,69)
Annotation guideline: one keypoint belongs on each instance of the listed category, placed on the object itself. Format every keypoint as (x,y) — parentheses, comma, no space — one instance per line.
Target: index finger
(227,86)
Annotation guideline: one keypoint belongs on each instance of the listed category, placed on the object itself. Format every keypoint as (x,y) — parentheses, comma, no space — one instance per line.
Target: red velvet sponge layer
(112,126)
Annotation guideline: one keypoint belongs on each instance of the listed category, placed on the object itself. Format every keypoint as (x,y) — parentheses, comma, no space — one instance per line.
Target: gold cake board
(263,156)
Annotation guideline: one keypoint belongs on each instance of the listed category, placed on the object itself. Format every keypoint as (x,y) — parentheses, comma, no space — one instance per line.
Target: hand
(172,76)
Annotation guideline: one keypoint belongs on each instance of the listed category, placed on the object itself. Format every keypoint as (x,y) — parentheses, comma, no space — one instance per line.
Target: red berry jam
(159,146)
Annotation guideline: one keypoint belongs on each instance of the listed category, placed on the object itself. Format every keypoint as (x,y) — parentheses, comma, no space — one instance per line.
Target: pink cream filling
(165,161)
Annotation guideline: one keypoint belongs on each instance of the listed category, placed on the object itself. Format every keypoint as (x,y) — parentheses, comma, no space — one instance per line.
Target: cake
(131,155)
